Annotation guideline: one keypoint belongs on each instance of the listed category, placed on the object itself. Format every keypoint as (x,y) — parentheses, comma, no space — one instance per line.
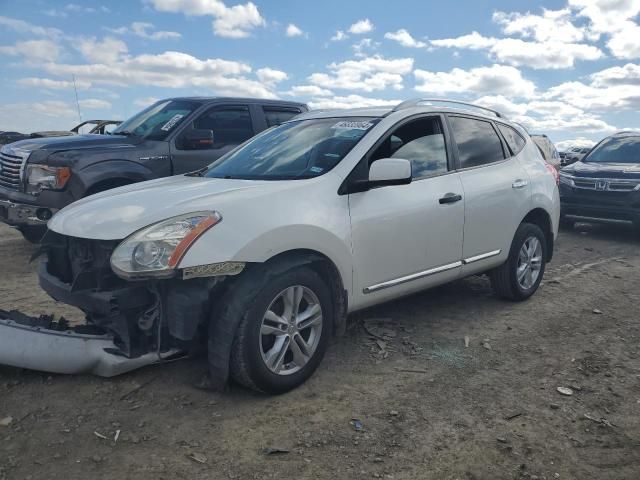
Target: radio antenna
(75,89)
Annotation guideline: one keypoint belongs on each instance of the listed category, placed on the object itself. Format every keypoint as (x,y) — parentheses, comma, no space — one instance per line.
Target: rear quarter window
(514,140)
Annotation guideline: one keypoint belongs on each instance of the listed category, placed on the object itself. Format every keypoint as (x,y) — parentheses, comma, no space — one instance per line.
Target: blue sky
(567,68)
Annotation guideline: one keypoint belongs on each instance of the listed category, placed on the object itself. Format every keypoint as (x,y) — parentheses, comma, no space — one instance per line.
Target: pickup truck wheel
(284,332)
(33,233)
(520,276)
(567,223)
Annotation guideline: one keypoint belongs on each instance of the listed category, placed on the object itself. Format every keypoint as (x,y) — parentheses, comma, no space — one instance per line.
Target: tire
(567,222)
(505,279)
(33,233)
(252,350)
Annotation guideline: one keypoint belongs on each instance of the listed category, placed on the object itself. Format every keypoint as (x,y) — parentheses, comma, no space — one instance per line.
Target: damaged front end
(129,324)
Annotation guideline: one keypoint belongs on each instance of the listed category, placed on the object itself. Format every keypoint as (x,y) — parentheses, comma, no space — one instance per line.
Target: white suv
(266,251)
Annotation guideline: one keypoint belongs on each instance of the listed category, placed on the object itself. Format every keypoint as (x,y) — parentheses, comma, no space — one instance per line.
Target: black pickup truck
(40,176)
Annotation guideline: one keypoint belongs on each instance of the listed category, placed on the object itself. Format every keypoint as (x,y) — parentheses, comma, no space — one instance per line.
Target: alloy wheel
(529,263)
(290,330)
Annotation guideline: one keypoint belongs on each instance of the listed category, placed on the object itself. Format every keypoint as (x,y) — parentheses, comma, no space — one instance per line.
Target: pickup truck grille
(607,184)
(11,170)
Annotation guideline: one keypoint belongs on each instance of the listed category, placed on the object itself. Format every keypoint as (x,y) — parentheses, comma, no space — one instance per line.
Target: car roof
(261,101)
(383,111)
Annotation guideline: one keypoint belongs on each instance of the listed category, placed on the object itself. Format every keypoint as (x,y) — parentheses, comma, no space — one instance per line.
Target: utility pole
(75,89)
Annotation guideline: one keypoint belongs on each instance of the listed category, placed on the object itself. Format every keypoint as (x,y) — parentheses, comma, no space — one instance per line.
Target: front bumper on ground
(66,352)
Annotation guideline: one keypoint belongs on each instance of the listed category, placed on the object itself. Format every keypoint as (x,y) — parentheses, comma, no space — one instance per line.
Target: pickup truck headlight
(156,250)
(566,179)
(41,177)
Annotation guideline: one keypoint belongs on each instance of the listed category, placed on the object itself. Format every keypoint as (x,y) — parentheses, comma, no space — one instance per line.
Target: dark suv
(604,185)
(178,135)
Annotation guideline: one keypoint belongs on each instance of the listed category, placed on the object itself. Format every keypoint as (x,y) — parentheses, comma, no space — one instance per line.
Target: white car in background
(265,252)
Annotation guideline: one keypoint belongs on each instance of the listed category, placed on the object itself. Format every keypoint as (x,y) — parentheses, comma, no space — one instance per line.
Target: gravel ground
(399,397)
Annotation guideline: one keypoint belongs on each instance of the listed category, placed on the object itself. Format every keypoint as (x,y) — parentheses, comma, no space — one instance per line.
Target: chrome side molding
(431,271)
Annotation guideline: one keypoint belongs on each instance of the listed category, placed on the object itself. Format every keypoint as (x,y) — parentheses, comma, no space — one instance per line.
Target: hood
(604,170)
(116,214)
(74,142)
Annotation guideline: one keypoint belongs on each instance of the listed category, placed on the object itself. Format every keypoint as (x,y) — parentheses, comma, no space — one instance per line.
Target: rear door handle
(519,183)
(450,198)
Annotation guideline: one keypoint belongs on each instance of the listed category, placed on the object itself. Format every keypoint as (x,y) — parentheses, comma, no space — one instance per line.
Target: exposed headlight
(156,250)
(40,177)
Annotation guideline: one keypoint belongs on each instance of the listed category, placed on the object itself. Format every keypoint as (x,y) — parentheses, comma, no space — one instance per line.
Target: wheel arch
(542,218)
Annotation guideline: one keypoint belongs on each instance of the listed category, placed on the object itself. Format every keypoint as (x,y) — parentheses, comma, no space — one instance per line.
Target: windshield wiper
(126,133)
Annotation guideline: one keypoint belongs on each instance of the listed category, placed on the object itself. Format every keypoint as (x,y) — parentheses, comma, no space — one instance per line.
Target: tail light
(554,172)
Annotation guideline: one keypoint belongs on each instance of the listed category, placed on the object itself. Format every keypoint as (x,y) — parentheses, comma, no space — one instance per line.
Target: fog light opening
(44,214)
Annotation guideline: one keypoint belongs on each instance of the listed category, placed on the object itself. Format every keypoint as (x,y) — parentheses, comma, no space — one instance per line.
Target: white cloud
(364,47)
(350,101)
(293,31)
(170,70)
(552,25)
(270,77)
(472,41)
(308,91)
(542,116)
(106,50)
(339,36)
(603,98)
(33,50)
(52,84)
(94,104)
(514,51)
(565,145)
(496,79)
(361,26)
(145,30)
(145,102)
(367,75)
(229,22)
(37,116)
(628,74)
(21,26)
(613,18)
(405,39)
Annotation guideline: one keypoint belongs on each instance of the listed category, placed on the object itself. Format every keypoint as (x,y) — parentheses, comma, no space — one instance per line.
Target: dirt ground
(398,397)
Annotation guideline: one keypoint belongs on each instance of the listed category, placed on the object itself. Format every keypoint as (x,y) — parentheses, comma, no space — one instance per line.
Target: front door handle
(519,183)
(450,198)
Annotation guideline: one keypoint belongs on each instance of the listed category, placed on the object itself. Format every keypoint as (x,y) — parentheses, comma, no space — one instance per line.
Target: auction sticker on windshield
(172,122)
(353,125)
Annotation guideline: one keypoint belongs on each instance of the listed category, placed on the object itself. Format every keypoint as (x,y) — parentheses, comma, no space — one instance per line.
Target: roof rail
(415,102)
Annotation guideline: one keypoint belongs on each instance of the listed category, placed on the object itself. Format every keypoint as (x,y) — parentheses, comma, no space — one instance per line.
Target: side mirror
(390,171)
(197,139)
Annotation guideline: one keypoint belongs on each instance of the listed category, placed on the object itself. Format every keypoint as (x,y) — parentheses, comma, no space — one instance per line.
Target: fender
(106,170)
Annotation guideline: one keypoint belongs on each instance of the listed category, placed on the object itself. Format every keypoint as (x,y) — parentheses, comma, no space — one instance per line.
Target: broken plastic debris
(565,391)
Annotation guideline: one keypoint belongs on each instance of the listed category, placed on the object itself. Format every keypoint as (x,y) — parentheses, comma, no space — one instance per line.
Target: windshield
(616,150)
(294,150)
(157,121)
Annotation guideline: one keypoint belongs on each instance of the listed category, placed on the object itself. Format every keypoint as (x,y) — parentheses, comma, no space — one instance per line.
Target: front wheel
(520,276)
(284,332)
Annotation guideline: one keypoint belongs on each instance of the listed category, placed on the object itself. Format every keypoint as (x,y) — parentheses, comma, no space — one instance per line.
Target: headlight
(566,179)
(156,250)
(40,177)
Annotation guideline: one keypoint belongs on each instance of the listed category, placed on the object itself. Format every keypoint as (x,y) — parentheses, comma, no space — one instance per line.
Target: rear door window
(230,125)
(478,142)
(276,116)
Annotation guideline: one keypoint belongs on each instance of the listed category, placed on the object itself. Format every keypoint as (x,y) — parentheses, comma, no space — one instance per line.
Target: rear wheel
(284,332)
(33,233)
(520,276)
